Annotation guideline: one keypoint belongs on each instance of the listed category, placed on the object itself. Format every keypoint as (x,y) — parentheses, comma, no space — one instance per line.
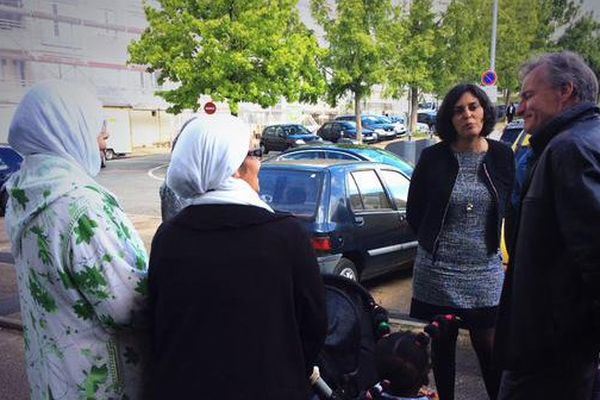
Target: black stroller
(356,322)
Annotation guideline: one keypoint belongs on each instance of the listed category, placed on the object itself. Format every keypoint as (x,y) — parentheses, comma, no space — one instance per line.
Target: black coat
(550,305)
(237,305)
(431,186)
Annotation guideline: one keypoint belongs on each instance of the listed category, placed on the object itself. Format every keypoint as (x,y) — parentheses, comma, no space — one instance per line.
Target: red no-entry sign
(210,107)
(489,78)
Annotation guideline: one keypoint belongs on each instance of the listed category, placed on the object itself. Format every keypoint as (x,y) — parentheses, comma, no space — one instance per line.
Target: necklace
(470,205)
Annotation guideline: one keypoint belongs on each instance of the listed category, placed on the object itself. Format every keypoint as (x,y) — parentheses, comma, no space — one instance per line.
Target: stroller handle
(320,387)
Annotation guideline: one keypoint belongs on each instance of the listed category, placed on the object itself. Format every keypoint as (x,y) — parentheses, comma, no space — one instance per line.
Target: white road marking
(151,172)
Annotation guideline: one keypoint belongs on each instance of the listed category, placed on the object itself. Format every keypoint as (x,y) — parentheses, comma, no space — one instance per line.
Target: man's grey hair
(563,68)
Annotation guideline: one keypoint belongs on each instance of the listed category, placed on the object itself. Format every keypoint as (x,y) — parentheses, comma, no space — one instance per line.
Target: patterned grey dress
(461,275)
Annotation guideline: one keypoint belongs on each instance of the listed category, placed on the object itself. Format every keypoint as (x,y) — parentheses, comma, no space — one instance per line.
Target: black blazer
(550,306)
(431,186)
(237,305)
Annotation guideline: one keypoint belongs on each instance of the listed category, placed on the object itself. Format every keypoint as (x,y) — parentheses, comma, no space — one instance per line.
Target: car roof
(346,147)
(517,124)
(319,163)
(323,164)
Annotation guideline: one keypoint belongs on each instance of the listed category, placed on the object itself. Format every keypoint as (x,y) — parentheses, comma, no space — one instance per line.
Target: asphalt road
(135,181)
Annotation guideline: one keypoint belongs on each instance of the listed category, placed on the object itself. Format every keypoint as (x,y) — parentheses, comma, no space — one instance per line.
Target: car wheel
(264,148)
(347,269)
(109,154)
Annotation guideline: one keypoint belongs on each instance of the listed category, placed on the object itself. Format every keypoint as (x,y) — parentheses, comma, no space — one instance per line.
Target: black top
(431,186)
(550,305)
(237,305)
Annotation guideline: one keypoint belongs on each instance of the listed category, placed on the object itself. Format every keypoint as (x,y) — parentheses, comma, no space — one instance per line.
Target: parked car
(355,212)
(10,162)
(427,117)
(399,127)
(512,131)
(348,152)
(345,131)
(383,129)
(283,136)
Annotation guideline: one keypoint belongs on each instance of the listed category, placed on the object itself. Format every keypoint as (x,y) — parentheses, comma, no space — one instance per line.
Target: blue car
(10,162)
(283,136)
(383,127)
(345,131)
(355,212)
(348,152)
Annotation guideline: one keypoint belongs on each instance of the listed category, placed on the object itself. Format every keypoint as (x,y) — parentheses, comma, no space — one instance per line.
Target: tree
(354,59)
(462,52)
(583,37)
(518,29)
(411,38)
(524,28)
(232,50)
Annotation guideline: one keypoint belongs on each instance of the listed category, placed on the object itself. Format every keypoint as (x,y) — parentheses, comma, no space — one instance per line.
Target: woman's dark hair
(402,358)
(444,127)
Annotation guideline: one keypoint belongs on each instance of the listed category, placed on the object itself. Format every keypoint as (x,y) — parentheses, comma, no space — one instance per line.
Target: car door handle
(360,221)
(402,217)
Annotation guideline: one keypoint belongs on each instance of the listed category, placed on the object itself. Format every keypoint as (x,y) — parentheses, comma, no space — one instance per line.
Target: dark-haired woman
(457,198)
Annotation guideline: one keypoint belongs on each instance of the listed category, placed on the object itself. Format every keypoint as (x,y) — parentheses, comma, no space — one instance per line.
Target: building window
(9,19)
(55,14)
(19,67)
(142,79)
(3,69)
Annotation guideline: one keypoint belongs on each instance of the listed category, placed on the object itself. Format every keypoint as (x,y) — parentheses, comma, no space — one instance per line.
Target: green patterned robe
(81,270)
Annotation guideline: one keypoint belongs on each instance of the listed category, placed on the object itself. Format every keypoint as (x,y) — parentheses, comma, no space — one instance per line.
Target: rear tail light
(321,243)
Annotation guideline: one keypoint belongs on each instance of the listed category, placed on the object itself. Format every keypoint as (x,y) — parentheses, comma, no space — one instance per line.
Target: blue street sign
(489,78)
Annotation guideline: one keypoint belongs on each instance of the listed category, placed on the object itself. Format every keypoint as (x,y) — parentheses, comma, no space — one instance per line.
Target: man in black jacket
(548,332)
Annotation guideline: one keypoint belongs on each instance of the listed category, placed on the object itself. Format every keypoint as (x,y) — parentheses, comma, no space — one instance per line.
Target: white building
(84,41)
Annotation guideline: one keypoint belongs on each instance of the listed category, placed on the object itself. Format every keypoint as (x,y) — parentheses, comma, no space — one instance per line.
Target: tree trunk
(357,114)
(414,107)
(507,97)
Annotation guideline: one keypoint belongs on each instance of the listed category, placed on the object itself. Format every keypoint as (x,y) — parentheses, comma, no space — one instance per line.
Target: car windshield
(386,157)
(384,120)
(296,130)
(292,191)
(349,124)
(510,135)
(370,120)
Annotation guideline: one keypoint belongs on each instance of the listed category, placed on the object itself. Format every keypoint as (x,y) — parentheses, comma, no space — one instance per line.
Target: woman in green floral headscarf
(81,267)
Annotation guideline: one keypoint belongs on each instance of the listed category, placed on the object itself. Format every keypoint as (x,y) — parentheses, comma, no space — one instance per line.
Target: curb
(11,323)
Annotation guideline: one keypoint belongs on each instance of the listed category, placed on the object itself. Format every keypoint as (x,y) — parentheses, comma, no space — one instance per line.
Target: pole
(494,27)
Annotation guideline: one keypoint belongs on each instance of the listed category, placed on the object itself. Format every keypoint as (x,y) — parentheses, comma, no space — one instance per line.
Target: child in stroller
(403,362)
(355,324)
(349,361)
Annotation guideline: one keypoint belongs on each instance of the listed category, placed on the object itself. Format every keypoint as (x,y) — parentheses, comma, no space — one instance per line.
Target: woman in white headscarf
(237,301)
(81,267)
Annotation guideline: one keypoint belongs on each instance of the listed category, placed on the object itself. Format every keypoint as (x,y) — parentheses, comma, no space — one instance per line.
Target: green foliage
(411,48)
(525,27)
(354,60)
(232,50)
(411,38)
(583,37)
(463,40)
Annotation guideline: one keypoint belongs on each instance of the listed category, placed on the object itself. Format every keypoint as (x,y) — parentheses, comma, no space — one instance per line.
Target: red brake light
(321,243)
